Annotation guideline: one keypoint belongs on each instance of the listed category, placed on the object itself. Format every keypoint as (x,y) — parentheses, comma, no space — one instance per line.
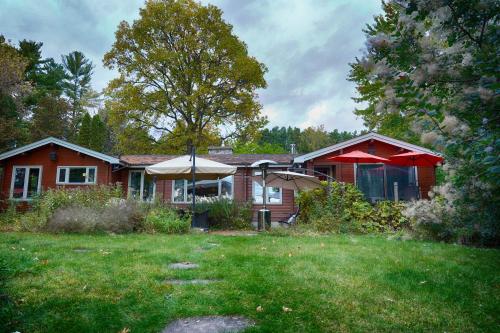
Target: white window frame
(66,178)
(219,189)
(26,180)
(142,172)
(254,183)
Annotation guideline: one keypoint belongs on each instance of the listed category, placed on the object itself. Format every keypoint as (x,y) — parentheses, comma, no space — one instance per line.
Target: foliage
(342,208)
(166,220)
(181,65)
(49,118)
(258,148)
(12,91)
(227,214)
(117,216)
(77,84)
(432,68)
(85,131)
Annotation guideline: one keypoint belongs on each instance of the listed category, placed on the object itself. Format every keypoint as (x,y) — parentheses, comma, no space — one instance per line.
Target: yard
(331,283)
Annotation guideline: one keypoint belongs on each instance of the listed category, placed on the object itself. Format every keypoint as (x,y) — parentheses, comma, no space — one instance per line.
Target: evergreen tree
(97,134)
(85,132)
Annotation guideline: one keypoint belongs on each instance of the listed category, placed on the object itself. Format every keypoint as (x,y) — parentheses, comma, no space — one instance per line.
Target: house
(52,163)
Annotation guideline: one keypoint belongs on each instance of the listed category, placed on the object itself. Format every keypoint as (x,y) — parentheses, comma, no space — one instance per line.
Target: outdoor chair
(292,219)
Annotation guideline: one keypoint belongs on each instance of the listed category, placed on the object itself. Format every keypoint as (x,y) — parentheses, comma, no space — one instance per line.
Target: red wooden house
(51,163)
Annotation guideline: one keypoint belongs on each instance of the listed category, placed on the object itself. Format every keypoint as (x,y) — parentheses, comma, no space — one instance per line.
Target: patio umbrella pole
(193,172)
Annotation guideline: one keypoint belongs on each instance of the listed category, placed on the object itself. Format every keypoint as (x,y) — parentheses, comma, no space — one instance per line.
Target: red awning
(358,156)
(414,158)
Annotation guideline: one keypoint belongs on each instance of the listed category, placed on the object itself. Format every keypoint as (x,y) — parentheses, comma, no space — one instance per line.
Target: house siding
(344,172)
(65,157)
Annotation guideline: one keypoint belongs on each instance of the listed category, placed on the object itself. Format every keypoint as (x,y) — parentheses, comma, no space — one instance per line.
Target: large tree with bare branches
(181,67)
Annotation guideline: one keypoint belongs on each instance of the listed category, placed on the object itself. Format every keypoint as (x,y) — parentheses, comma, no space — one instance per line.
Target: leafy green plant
(227,214)
(166,220)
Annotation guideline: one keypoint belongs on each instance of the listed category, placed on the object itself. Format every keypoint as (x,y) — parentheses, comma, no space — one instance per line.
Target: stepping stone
(81,250)
(209,324)
(194,281)
(183,265)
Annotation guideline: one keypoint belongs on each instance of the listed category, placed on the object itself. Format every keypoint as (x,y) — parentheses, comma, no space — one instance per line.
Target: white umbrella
(291,180)
(182,168)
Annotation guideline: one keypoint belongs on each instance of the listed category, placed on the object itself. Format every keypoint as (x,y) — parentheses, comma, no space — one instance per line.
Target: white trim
(62,143)
(66,176)
(26,181)
(359,139)
(141,189)
(185,201)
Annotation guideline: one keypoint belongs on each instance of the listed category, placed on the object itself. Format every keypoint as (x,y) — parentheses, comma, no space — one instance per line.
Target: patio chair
(292,219)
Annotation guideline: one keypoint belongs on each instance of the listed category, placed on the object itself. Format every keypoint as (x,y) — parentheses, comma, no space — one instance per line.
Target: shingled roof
(236,159)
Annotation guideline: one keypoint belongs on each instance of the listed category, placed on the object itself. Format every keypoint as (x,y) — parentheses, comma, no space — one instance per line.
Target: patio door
(141,186)
(370,181)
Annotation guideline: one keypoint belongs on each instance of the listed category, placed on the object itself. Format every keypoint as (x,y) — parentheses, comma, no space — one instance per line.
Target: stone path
(183,265)
(193,281)
(209,324)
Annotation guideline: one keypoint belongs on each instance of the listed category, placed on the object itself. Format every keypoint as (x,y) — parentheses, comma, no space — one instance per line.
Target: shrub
(9,219)
(117,217)
(342,208)
(166,220)
(227,214)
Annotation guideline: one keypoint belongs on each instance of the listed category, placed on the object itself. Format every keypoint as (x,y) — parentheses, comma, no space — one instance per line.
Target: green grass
(350,284)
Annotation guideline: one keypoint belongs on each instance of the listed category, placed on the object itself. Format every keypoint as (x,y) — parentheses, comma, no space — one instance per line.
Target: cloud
(306,46)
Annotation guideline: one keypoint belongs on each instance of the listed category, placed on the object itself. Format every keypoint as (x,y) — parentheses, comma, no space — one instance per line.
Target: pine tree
(98,133)
(85,132)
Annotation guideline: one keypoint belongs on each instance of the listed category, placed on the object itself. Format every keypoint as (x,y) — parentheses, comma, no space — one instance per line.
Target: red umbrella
(358,156)
(414,158)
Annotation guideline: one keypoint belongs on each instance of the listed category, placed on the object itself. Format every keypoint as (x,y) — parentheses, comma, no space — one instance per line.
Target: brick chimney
(220,150)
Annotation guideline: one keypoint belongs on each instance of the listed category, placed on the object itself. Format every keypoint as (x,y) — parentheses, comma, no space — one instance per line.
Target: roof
(62,143)
(359,139)
(231,159)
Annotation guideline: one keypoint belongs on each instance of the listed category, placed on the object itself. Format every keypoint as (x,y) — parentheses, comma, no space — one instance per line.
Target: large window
(76,175)
(206,190)
(377,184)
(141,186)
(274,195)
(26,182)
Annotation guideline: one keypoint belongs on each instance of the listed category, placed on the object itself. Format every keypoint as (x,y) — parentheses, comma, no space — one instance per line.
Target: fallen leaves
(259,308)
(285,309)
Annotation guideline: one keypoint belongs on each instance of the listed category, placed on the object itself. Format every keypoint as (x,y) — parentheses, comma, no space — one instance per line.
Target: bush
(227,214)
(342,208)
(116,217)
(166,220)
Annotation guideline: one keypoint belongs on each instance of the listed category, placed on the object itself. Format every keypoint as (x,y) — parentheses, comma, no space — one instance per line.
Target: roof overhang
(62,143)
(359,139)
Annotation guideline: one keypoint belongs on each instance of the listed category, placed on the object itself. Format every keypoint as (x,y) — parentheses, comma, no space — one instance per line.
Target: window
(76,175)
(26,182)
(273,193)
(141,186)
(206,190)
(370,181)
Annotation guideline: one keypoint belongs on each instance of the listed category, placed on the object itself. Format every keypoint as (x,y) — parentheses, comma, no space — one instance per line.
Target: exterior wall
(242,192)
(345,171)
(65,157)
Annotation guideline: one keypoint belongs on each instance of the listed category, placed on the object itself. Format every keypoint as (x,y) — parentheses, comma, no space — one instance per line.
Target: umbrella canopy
(290,180)
(182,168)
(414,158)
(358,156)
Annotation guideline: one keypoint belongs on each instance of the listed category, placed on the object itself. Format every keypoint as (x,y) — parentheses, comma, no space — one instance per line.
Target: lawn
(331,283)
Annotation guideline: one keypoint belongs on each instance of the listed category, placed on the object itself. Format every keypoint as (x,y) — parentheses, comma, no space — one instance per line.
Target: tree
(13,89)
(181,66)
(85,131)
(98,135)
(431,69)
(313,138)
(77,84)
(49,118)
(45,75)
(258,148)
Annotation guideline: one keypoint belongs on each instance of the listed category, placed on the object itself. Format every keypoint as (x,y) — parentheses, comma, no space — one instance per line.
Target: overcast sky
(306,45)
